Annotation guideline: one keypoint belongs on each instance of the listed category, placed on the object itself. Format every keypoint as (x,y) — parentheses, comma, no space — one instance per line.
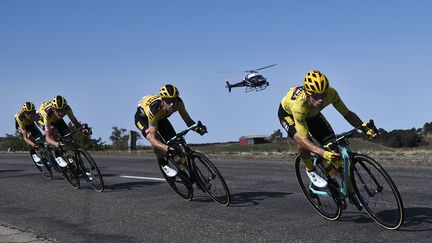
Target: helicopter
(252,81)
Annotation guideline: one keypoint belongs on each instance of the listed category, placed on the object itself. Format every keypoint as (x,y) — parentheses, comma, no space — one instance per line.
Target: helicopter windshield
(256,79)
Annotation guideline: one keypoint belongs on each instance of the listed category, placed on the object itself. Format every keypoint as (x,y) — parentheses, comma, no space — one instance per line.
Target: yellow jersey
(150,107)
(47,115)
(296,104)
(22,120)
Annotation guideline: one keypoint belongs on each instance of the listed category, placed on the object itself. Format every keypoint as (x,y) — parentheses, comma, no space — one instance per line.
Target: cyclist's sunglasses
(30,113)
(317,96)
(170,100)
(61,111)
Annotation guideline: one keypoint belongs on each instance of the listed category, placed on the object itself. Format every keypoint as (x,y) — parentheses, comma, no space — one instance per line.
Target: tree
(427,129)
(13,143)
(402,138)
(119,138)
(86,142)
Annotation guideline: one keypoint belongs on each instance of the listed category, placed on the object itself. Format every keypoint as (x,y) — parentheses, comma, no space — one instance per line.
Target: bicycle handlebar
(184,132)
(350,133)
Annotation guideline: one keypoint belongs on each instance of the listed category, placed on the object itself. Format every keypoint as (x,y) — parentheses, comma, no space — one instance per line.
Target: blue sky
(103,56)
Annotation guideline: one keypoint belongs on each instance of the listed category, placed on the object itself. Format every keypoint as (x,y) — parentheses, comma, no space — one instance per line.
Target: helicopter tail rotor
(228,85)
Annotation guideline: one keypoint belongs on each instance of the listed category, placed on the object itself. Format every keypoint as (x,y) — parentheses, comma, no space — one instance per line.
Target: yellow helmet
(28,106)
(59,102)
(169,91)
(315,82)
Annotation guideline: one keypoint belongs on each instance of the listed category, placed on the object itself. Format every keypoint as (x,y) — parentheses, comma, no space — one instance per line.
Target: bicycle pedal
(344,204)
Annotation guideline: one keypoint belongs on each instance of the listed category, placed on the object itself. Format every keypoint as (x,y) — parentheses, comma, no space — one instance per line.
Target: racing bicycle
(46,159)
(360,179)
(42,158)
(194,168)
(79,162)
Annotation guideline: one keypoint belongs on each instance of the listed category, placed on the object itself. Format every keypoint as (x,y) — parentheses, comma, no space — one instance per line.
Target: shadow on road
(417,219)
(129,185)
(248,199)
(357,217)
(10,170)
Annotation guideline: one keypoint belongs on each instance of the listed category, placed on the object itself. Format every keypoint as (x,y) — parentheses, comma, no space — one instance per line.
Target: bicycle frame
(187,150)
(48,152)
(346,155)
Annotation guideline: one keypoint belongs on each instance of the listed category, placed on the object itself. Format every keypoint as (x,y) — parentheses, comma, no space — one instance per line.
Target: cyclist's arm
(184,115)
(152,131)
(48,130)
(349,116)
(307,144)
(155,142)
(27,139)
(25,134)
(49,136)
(72,117)
(302,135)
(353,119)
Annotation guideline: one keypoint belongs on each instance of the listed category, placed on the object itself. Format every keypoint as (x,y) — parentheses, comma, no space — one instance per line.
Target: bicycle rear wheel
(180,183)
(377,192)
(90,170)
(69,172)
(323,200)
(210,179)
(41,164)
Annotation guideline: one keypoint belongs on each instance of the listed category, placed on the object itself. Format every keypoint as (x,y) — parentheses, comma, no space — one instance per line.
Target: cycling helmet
(315,82)
(28,106)
(59,102)
(169,91)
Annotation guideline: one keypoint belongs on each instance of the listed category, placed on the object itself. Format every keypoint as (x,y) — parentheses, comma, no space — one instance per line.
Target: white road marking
(144,178)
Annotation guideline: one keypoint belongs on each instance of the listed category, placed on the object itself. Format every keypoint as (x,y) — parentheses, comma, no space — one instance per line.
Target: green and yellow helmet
(169,91)
(28,106)
(59,102)
(315,82)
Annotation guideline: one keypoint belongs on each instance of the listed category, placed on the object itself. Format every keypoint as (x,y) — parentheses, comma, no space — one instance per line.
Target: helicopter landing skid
(256,89)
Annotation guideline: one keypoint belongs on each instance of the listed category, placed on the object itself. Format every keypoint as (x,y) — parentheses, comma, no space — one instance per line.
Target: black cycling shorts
(319,128)
(61,126)
(165,129)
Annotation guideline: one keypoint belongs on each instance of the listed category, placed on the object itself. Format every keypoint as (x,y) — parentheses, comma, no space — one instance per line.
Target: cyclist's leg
(61,126)
(20,131)
(320,129)
(34,133)
(141,122)
(165,132)
(287,122)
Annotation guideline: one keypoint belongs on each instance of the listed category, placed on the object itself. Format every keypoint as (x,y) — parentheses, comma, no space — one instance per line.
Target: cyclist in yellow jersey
(51,118)
(25,125)
(151,118)
(300,115)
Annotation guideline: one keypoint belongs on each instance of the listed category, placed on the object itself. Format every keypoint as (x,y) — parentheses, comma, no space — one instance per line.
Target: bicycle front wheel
(70,171)
(210,179)
(180,183)
(377,192)
(41,164)
(322,200)
(90,170)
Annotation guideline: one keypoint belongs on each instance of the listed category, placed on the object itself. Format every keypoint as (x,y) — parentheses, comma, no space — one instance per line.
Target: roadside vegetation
(395,140)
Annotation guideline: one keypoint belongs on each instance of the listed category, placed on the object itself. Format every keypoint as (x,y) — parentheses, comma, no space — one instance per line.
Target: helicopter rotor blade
(265,67)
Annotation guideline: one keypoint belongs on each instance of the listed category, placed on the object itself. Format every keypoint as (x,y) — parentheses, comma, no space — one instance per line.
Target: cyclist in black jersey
(151,118)
(26,126)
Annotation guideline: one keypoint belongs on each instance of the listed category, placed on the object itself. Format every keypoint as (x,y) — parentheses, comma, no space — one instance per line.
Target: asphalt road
(267,206)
